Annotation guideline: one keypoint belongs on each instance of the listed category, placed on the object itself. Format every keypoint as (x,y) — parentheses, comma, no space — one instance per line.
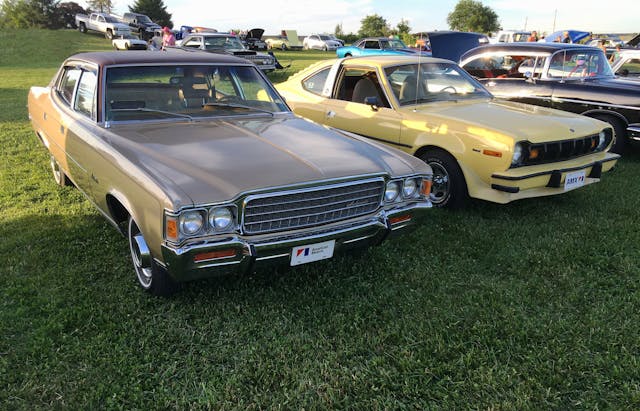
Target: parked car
(141,25)
(320,42)
(172,148)
(253,40)
(128,42)
(510,36)
(477,146)
(103,23)
(574,36)
(225,43)
(627,64)
(287,40)
(569,77)
(375,46)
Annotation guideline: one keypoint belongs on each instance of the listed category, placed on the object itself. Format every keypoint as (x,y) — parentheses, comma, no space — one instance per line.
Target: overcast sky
(313,16)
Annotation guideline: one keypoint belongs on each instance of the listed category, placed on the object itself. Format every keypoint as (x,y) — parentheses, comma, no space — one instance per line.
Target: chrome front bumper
(633,131)
(186,263)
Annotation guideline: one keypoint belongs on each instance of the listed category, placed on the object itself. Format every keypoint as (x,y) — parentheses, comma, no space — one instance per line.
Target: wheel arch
(119,211)
(609,113)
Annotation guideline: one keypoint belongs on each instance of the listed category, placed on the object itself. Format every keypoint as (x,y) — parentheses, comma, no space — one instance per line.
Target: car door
(346,109)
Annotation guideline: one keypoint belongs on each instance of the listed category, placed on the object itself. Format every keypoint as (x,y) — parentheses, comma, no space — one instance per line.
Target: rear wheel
(109,34)
(283,47)
(619,132)
(151,277)
(82,27)
(448,188)
(59,176)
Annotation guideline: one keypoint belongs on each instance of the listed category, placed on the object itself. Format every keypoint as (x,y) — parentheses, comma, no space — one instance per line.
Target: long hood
(614,90)
(506,119)
(218,159)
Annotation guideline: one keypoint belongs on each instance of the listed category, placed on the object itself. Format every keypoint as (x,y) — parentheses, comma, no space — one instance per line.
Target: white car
(320,42)
(627,64)
(128,42)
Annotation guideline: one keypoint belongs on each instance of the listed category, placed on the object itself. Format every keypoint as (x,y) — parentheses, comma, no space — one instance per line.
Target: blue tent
(574,35)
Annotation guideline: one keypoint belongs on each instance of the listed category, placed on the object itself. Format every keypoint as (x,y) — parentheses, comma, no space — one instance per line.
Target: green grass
(531,305)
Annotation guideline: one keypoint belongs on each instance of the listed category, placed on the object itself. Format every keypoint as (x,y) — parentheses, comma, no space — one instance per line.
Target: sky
(322,16)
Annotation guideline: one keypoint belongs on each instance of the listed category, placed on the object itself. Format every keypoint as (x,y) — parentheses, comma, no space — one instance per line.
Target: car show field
(528,305)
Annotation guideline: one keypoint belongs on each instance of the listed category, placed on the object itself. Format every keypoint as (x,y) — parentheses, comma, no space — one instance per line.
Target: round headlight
(391,191)
(517,155)
(409,188)
(602,139)
(190,222)
(220,218)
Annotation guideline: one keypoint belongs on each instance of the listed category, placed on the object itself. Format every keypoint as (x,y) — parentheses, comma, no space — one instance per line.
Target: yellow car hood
(519,121)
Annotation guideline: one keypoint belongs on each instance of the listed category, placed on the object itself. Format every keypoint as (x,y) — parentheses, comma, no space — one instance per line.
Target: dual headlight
(200,221)
(406,189)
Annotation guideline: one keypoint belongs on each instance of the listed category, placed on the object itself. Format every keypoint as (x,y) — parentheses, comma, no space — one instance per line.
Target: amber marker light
(534,153)
(213,255)
(492,153)
(400,219)
(426,188)
(171,229)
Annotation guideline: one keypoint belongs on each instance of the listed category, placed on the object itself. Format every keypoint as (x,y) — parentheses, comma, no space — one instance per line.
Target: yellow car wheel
(448,188)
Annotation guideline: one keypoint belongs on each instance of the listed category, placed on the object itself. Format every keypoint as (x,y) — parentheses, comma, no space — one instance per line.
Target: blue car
(376,46)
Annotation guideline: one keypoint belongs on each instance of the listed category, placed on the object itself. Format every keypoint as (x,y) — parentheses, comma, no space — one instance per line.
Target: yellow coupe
(477,145)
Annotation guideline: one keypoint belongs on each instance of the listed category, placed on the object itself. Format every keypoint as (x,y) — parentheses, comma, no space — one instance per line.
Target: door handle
(331,114)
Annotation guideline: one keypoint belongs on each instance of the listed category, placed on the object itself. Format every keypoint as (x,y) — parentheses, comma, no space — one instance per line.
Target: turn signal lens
(171,229)
(426,187)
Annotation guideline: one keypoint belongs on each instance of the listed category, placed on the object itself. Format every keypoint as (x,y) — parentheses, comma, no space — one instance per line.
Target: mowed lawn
(531,305)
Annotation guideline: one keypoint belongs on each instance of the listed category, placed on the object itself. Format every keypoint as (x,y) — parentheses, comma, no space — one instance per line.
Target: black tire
(82,27)
(126,47)
(619,132)
(347,55)
(449,188)
(324,48)
(151,277)
(59,176)
(109,34)
(283,47)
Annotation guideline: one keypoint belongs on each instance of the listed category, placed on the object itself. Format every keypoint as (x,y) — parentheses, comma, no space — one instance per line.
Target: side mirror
(373,102)
(623,72)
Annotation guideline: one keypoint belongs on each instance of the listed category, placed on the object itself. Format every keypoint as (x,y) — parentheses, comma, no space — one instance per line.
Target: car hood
(504,120)
(217,159)
(614,90)
(451,45)
(255,34)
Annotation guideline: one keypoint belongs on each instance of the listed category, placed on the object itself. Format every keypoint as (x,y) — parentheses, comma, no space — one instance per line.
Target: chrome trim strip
(357,239)
(598,103)
(272,257)
(220,264)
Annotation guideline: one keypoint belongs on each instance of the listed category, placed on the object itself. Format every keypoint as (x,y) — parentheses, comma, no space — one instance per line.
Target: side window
(315,83)
(68,83)
(632,67)
(85,96)
(356,84)
(371,44)
(194,42)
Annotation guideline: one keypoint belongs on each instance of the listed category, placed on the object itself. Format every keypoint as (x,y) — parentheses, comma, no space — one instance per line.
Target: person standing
(533,36)
(168,39)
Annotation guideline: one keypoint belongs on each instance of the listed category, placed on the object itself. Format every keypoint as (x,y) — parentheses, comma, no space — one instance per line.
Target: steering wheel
(449,88)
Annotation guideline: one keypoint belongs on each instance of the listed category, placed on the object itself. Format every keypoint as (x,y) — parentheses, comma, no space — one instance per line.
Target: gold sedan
(476,145)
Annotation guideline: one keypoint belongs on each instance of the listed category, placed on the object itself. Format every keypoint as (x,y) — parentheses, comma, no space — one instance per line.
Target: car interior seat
(409,89)
(194,91)
(364,88)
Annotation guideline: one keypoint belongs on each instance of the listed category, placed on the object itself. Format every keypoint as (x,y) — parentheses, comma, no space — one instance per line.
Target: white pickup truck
(102,22)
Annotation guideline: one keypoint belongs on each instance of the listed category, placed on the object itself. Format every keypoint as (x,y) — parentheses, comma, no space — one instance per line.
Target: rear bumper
(633,131)
(517,184)
(244,254)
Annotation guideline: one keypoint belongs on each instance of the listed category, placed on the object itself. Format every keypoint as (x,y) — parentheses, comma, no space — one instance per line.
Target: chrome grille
(309,207)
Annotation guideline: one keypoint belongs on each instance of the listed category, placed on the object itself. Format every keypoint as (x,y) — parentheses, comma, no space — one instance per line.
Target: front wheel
(109,34)
(448,188)
(151,277)
(59,176)
(283,47)
(619,133)
(82,28)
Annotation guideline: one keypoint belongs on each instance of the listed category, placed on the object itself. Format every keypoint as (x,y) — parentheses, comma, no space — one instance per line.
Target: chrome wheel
(55,169)
(440,188)
(140,255)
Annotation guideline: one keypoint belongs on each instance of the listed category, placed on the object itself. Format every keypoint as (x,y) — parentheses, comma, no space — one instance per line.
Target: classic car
(198,161)
(510,36)
(252,39)
(569,77)
(477,146)
(370,46)
(226,43)
(572,36)
(128,42)
(320,42)
(627,64)
(287,40)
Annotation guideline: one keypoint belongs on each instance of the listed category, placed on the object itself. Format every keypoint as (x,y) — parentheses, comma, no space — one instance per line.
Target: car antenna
(418,80)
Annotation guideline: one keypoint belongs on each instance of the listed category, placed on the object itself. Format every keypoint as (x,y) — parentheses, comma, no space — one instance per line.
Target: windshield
(428,82)
(187,91)
(220,42)
(144,19)
(578,64)
(392,44)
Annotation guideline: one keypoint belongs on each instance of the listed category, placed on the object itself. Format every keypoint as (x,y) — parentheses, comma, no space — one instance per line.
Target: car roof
(392,60)
(531,47)
(176,56)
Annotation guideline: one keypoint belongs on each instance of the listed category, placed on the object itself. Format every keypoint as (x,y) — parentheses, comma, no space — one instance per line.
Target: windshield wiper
(240,106)
(150,110)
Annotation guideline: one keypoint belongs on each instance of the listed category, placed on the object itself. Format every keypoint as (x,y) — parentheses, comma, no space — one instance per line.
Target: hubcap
(140,255)
(55,168)
(440,186)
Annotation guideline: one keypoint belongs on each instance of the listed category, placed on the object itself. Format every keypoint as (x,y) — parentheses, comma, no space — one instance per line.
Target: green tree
(338,32)
(66,13)
(103,6)
(15,14)
(403,27)
(471,15)
(373,26)
(155,10)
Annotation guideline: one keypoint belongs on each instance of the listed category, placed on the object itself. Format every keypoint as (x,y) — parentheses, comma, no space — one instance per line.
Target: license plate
(574,180)
(303,254)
